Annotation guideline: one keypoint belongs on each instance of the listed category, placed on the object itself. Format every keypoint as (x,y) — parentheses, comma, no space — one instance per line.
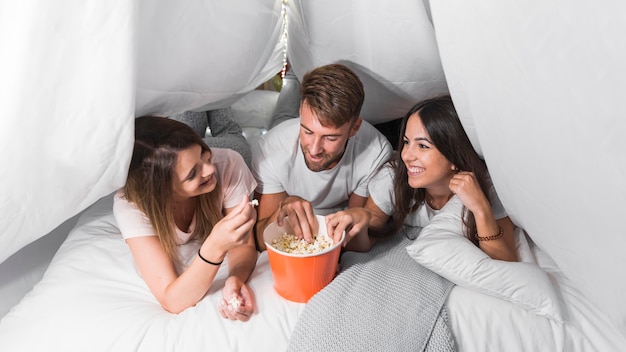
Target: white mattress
(91,298)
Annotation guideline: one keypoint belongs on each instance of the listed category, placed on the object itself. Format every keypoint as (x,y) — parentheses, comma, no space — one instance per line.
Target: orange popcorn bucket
(297,277)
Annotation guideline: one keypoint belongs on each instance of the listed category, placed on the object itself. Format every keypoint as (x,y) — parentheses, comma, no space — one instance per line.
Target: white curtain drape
(67,102)
(74,74)
(204,54)
(541,84)
(389,44)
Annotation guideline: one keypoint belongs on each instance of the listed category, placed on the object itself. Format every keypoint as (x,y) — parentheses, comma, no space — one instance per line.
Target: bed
(92,298)
(520,75)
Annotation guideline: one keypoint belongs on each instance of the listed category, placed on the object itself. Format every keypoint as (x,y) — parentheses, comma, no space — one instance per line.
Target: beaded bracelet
(208,261)
(494,237)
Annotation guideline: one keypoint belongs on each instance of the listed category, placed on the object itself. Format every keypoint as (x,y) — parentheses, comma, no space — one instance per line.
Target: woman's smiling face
(194,173)
(427,167)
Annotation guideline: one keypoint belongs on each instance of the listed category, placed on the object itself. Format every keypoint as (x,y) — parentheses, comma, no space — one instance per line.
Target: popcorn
(289,243)
(234,303)
(254,203)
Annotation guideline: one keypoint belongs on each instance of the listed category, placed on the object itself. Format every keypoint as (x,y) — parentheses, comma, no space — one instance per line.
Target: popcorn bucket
(297,277)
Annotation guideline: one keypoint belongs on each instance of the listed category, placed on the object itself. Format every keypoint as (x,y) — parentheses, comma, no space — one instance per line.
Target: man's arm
(356,200)
(269,206)
(278,206)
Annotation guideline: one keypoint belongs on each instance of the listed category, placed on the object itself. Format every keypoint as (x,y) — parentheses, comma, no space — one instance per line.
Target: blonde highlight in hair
(150,180)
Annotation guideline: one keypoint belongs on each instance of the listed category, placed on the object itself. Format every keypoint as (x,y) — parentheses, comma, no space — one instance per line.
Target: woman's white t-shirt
(233,176)
(381,192)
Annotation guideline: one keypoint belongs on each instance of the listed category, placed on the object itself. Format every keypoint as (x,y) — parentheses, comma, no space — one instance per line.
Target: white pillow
(442,248)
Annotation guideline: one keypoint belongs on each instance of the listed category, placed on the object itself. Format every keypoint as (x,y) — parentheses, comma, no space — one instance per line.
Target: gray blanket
(381,300)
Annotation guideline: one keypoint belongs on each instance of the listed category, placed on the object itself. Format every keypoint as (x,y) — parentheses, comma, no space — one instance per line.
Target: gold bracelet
(494,237)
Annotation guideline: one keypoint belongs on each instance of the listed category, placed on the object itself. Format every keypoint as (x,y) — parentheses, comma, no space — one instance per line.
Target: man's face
(322,146)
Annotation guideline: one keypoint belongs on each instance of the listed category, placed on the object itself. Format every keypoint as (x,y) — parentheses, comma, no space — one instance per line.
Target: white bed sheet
(92,298)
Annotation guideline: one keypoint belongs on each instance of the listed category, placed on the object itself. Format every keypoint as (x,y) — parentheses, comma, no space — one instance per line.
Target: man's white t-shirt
(278,166)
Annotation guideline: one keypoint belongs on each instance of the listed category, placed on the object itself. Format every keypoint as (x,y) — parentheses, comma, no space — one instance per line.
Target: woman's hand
(465,185)
(237,300)
(231,231)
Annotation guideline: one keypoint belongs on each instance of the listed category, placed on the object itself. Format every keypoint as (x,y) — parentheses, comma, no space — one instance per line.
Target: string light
(283,13)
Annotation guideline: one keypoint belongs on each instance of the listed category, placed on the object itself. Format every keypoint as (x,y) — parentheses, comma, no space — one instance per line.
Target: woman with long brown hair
(183,211)
(435,164)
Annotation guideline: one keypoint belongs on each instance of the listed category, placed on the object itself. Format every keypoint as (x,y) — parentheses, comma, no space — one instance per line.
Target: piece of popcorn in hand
(234,303)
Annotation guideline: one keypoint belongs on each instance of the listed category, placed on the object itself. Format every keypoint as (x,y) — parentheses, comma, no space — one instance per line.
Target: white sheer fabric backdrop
(76,73)
(204,54)
(539,86)
(390,45)
(66,97)
(542,86)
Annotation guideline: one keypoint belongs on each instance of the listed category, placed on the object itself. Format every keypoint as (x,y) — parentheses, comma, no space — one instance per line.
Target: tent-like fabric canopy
(539,86)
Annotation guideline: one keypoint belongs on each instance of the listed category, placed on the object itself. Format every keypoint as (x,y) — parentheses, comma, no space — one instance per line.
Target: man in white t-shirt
(321,162)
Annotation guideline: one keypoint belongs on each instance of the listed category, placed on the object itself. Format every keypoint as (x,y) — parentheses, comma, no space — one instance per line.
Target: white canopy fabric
(542,85)
(389,44)
(539,86)
(204,54)
(67,103)
(76,73)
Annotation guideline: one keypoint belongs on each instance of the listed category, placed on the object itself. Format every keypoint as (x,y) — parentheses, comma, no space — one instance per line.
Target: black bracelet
(208,261)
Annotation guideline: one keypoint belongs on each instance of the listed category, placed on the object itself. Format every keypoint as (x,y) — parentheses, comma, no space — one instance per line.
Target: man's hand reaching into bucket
(299,213)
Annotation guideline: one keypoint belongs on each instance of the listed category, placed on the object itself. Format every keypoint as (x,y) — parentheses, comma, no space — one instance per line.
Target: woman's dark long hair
(442,122)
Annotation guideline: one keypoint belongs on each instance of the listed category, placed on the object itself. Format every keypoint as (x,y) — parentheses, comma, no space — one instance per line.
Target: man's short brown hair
(334,93)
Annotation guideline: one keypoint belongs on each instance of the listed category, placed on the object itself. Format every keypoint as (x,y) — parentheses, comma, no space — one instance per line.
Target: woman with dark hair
(436,162)
(183,210)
